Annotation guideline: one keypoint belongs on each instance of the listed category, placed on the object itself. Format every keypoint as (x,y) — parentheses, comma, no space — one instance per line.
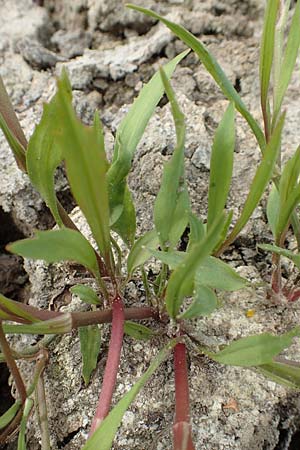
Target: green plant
(186,285)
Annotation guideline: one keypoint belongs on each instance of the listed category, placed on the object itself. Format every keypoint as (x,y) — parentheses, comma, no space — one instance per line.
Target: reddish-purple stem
(182,433)
(112,363)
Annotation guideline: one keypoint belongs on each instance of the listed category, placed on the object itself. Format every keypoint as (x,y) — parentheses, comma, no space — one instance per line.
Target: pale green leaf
(285,373)
(90,340)
(9,308)
(254,350)
(172,184)
(221,165)
(59,325)
(16,147)
(104,435)
(128,136)
(282,252)
(86,294)
(57,245)
(197,230)
(204,303)
(138,331)
(22,433)
(212,67)
(273,209)
(140,253)
(86,167)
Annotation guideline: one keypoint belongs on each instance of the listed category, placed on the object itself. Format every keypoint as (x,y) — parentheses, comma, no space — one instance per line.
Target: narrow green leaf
(104,435)
(282,373)
(86,294)
(90,340)
(261,178)
(217,274)
(16,147)
(11,128)
(180,217)
(138,331)
(172,184)
(221,165)
(273,209)
(205,302)
(197,230)
(13,308)
(58,325)
(289,60)
(140,253)
(8,416)
(22,433)
(289,189)
(282,252)
(128,136)
(86,167)
(57,245)
(187,268)
(254,350)
(100,138)
(212,67)
(44,156)
(267,49)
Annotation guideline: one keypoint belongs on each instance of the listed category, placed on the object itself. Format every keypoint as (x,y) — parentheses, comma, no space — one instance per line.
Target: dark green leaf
(212,67)
(128,136)
(188,267)
(57,245)
(104,435)
(8,416)
(86,167)
(140,253)
(172,184)
(221,165)
(86,294)
(254,350)
(90,340)
(205,302)
(138,331)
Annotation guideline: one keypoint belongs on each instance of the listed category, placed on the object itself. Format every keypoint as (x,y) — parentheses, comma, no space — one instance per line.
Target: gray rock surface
(232,408)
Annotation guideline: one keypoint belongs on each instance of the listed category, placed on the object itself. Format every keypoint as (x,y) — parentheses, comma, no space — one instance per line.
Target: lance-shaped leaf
(289,189)
(22,433)
(267,50)
(172,185)
(128,136)
(205,302)
(282,252)
(261,178)
(212,67)
(8,416)
(58,245)
(288,61)
(90,339)
(140,253)
(44,156)
(9,310)
(138,331)
(221,165)
(86,167)
(254,350)
(86,294)
(187,268)
(104,435)
(197,230)
(59,325)
(286,373)
(211,271)
(273,209)
(11,128)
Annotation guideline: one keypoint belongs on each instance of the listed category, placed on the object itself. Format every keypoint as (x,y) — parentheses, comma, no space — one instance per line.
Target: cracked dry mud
(110,52)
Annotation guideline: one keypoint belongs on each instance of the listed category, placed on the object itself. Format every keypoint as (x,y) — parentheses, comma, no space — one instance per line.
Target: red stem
(112,363)
(182,433)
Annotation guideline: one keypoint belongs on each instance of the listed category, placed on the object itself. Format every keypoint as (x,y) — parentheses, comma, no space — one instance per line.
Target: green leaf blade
(86,294)
(90,340)
(57,245)
(221,165)
(140,253)
(212,67)
(205,302)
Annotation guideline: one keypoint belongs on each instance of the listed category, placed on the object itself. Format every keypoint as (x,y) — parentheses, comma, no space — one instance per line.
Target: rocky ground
(110,52)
